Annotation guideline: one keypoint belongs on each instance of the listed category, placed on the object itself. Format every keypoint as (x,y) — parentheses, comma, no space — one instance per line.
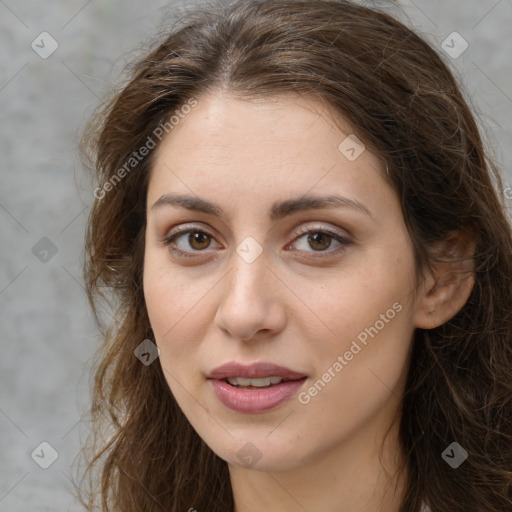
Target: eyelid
(302,230)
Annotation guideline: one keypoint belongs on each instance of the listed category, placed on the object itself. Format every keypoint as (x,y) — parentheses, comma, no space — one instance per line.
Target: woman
(310,265)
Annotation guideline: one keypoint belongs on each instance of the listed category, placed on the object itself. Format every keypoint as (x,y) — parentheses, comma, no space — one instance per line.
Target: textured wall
(46,331)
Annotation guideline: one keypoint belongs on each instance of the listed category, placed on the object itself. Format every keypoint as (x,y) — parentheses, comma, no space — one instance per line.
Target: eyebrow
(278,211)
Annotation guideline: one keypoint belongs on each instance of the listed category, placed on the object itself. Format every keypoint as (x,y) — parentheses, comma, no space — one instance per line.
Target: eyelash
(344,242)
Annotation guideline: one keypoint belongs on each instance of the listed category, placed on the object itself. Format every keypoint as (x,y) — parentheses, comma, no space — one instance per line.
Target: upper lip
(253,371)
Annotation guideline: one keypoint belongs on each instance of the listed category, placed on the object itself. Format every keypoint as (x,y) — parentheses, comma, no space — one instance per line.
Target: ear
(447,287)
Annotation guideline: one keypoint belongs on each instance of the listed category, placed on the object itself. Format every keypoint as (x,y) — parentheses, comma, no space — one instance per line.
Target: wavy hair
(400,98)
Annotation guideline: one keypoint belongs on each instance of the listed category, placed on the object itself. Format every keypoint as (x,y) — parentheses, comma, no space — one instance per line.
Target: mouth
(261,383)
(255,388)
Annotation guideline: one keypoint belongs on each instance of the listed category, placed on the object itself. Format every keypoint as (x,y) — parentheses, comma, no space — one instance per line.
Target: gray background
(47,334)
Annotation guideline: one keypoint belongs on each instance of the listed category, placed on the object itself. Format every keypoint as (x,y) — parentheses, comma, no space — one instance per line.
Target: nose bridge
(250,265)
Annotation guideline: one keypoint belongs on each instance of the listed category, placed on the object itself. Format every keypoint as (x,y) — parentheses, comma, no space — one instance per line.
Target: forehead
(254,150)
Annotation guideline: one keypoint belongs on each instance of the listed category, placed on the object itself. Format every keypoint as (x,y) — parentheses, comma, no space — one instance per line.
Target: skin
(288,306)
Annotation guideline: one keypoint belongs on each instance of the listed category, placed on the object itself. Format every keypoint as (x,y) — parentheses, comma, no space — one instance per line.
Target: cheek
(359,297)
(175,304)
(166,301)
(369,340)
(359,375)
(161,289)
(170,306)
(367,317)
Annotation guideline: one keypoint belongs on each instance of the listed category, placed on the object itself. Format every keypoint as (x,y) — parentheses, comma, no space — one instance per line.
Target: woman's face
(323,290)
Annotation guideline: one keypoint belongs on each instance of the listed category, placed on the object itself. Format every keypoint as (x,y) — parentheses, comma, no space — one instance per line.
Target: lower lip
(255,400)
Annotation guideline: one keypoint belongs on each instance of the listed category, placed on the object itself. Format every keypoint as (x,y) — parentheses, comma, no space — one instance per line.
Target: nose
(251,306)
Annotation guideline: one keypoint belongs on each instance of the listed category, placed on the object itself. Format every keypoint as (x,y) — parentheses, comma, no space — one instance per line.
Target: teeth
(258,383)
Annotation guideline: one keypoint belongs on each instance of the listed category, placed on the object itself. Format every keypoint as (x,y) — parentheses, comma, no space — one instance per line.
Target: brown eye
(189,242)
(199,240)
(186,241)
(319,241)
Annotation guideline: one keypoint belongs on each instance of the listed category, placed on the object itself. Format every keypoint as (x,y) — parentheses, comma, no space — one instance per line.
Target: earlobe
(448,286)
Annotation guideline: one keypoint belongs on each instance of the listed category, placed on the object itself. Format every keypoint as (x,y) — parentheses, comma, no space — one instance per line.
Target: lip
(253,371)
(254,400)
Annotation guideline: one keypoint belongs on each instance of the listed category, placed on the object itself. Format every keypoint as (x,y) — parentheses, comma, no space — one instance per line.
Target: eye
(319,239)
(197,239)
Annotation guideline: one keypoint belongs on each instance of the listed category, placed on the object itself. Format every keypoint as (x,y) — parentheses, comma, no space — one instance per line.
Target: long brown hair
(400,98)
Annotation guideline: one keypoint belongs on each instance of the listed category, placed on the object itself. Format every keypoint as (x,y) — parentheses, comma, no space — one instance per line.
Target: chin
(261,454)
